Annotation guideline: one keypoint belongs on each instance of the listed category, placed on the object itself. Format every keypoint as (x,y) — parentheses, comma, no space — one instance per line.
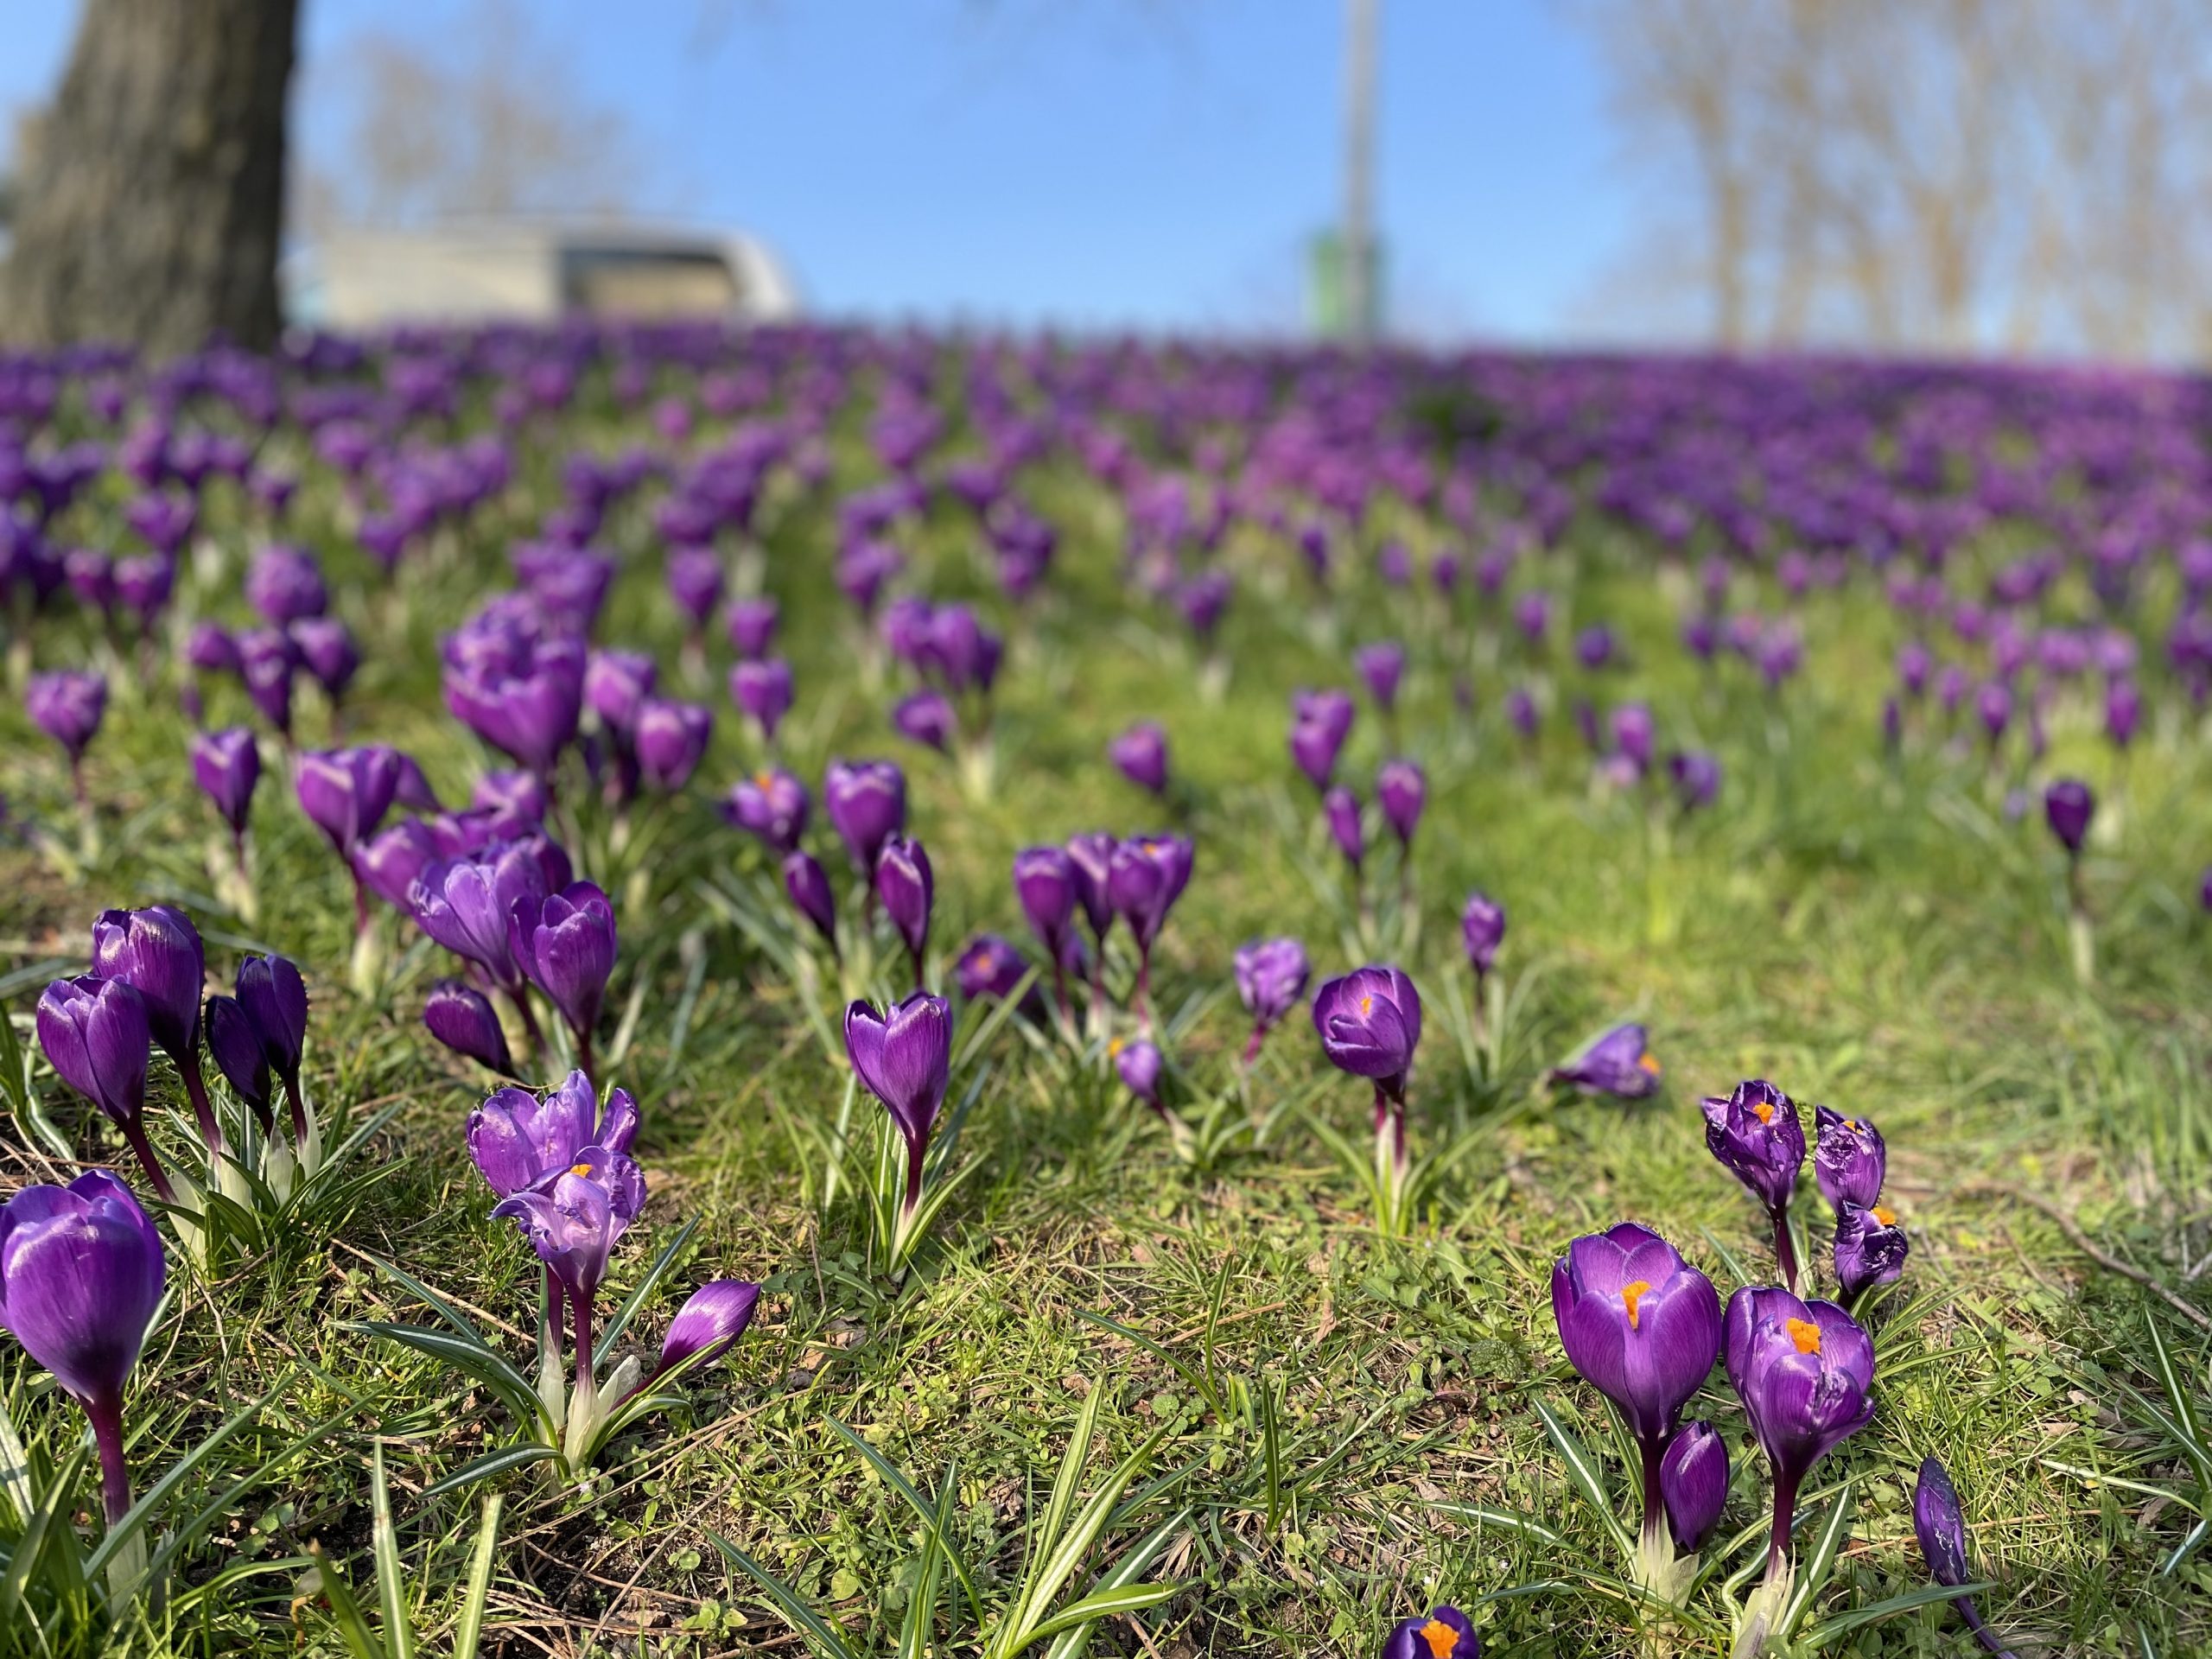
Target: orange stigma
(1648,1063)
(762,779)
(1852,1124)
(1632,1294)
(1886,1215)
(1366,1005)
(1764,1112)
(1806,1335)
(579,1169)
(1442,1639)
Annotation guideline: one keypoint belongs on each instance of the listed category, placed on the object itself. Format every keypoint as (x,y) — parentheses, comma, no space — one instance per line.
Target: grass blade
(802,1617)
(470,1631)
(391,1583)
(1588,1478)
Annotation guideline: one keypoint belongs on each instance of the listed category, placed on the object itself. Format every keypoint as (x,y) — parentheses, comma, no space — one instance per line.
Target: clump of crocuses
(1850,1162)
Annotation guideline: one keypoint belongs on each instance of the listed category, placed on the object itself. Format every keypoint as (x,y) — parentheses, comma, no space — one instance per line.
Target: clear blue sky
(1093,162)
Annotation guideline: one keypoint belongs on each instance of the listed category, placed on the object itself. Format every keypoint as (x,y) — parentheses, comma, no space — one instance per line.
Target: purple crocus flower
(1634,736)
(1141,752)
(1320,720)
(1694,1484)
(866,803)
(903,1055)
(772,805)
(1532,614)
(1803,1371)
(564,944)
(573,1218)
(516,1139)
(1444,1633)
(1382,665)
(763,690)
(1642,1326)
(752,625)
(668,740)
(81,1272)
(96,1036)
(2123,712)
(1402,788)
(236,1047)
(707,1326)
(518,793)
(1340,810)
(275,999)
(1849,1159)
(462,1018)
(695,583)
(1869,1248)
(156,951)
(285,584)
(346,793)
(1619,1064)
(1696,777)
(1521,712)
(926,717)
(1481,930)
(1942,1530)
(522,697)
(1145,876)
(464,904)
(1594,647)
(325,647)
(1370,1025)
(267,659)
(616,685)
(1271,979)
(907,887)
(2068,806)
(1139,1064)
(1758,1136)
(808,886)
(68,705)
(991,965)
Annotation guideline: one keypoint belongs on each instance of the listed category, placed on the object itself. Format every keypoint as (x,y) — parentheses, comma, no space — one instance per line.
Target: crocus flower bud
(694,581)
(346,793)
(389,863)
(285,584)
(906,885)
(1520,711)
(670,740)
(762,689)
(1757,1134)
(1693,1483)
(2068,806)
(1481,930)
(752,624)
(903,1056)
(267,659)
(1139,1064)
(1532,614)
(1402,788)
(1320,721)
(67,706)
(1141,752)
(465,905)
(156,951)
(808,886)
(707,1325)
(1696,777)
(926,717)
(1803,1371)
(1633,735)
(1146,876)
(1340,807)
(616,685)
(866,802)
(1380,666)
(1370,1025)
(325,646)
(1849,1159)
(1619,1064)
(1641,1325)
(462,1018)
(565,944)
(1045,887)
(1091,856)
(1870,1248)
(772,805)
(1942,1534)
(1271,979)
(209,649)
(2123,712)
(96,1035)
(1443,1634)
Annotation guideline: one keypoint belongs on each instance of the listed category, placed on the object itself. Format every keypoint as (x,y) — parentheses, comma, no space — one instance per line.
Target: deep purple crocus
(1619,1064)
(1340,811)
(772,805)
(235,1045)
(1757,1134)
(709,1324)
(226,764)
(752,625)
(1849,1159)
(807,884)
(285,584)
(1694,1484)
(1642,1326)
(1370,1025)
(389,863)
(344,793)
(2068,806)
(907,887)
(157,953)
(1869,1248)
(462,1018)
(1145,877)
(1942,1529)
(1141,753)
(1271,979)
(68,705)
(1139,1064)
(464,904)
(81,1272)
(274,998)
(1402,788)
(516,1139)
(1696,778)
(1045,887)
(763,690)
(1382,665)
(991,965)
(1443,1633)
(1481,930)
(96,1035)
(866,804)
(903,1055)
(926,717)
(1803,1371)
(668,740)
(1320,720)
(565,944)
(1091,856)
(573,1218)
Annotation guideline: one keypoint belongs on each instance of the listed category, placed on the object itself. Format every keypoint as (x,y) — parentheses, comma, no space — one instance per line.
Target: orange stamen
(1886,1215)
(1648,1063)
(1806,1335)
(1632,1294)
(1441,1638)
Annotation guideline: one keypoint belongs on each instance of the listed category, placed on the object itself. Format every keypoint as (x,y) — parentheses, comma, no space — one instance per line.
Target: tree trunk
(152,198)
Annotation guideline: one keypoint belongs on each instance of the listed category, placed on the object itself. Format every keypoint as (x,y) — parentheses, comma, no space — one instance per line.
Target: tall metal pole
(1359,272)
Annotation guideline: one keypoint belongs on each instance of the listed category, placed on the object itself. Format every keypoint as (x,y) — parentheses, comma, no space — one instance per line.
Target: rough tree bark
(152,201)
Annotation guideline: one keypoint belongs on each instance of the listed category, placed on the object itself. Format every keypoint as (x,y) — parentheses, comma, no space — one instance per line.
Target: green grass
(1870,934)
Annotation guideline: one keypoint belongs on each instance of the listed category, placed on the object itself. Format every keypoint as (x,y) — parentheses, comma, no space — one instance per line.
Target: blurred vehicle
(532,271)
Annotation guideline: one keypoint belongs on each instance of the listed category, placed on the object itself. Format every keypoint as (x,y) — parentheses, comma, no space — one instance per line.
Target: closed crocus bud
(707,1325)
(1941,1528)
(1045,887)
(209,649)
(274,998)
(1370,1025)
(1619,1064)
(695,583)
(926,717)
(156,951)
(752,624)
(462,1018)
(1402,788)
(903,1056)
(762,689)
(267,660)
(1532,614)
(1146,876)
(1090,856)
(2123,712)
(1380,666)
(808,886)
(1520,711)
(1139,1064)
(990,966)
(1271,979)
(227,766)
(670,740)
(1992,706)
(236,1046)
(1641,1325)
(1141,753)
(518,793)
(1340,809)
(906,885)
(772,805)
(2068,806)
(67,706)
(616,685)
(565,945)
(96,1034)
(1869,1248)
(389,863)
(1849,1159)
(1757,1134)
(1803,1371)
(1633,735)
(346,793)
(1693,1484)
(517,1139)
(285,584)
(866,804)
(1481,930)
(325,646)
(1443,1633)
(1697,778)
(1317,730)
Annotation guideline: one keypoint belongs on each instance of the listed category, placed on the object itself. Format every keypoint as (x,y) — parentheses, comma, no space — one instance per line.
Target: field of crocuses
(838,993)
